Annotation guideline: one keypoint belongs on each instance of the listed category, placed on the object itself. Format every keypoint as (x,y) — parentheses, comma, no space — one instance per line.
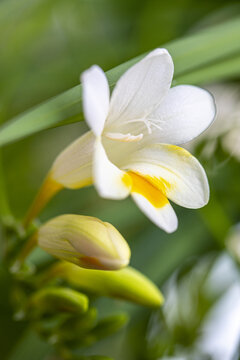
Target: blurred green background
(44,46)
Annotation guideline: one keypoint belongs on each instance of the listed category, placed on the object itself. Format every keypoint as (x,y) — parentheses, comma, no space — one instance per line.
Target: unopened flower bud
(53,299)
(85,241)
(127,283)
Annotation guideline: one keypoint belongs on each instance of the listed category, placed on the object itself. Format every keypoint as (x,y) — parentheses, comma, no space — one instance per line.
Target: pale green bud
(128,283)
(53,299)
(85,241)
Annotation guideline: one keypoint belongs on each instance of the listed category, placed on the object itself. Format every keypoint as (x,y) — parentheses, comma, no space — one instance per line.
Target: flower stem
(48,189)
(25,251)
(54,271)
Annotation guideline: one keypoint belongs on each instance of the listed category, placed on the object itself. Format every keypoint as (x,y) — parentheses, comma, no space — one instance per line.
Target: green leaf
(209,46)
(224,70)
(4,206)
(29,347)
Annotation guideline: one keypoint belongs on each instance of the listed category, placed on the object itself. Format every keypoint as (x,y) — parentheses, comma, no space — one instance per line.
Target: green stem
(54,271)
(25,251)
(48,189)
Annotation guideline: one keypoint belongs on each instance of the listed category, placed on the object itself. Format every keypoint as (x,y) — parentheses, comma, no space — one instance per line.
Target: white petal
(73,166)
(141,88)
(184,114)
(118,150)
(164,217)
(95,98)
(174,171)
(110,181)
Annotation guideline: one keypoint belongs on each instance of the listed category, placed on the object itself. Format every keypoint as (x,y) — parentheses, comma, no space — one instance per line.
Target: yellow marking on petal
(80,184)
(161,184)
(127,180)
(141,185)
(179,150)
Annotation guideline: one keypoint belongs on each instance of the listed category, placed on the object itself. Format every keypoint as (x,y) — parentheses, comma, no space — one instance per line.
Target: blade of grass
(193,52)
(4,206)
(224,70)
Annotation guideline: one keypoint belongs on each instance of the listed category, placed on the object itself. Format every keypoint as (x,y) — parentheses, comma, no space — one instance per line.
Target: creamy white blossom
(132,146)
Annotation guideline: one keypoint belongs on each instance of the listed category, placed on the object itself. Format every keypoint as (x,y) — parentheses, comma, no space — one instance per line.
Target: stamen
(148,122)
(156,123)
(123,137)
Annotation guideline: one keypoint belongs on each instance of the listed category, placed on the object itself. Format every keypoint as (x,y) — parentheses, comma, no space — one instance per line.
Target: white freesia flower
(129,151)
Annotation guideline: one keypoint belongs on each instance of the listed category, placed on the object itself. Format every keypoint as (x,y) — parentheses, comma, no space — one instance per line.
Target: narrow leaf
(4,206)
(224,70)
(209,46)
